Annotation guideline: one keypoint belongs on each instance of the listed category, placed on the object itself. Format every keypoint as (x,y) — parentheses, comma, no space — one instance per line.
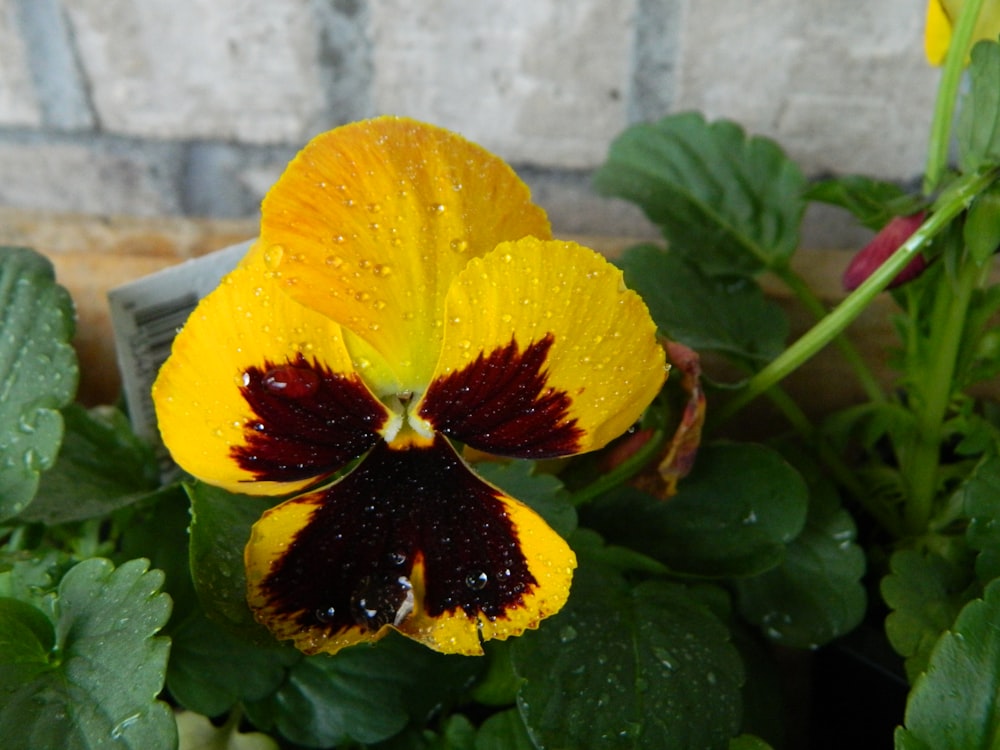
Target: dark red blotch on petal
(308,422)
(501,403)
(351,565)
(884,244)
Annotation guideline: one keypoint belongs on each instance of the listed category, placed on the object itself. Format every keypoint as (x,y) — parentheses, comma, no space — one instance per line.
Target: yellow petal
(259,394)
(372,221)
(545,353)
(937,32)
(410,540)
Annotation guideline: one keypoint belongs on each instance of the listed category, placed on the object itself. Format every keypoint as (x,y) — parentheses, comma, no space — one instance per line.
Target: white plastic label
(146,315)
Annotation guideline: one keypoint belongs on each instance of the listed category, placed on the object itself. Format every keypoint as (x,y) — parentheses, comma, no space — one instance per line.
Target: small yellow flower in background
(941,17)
(404,293)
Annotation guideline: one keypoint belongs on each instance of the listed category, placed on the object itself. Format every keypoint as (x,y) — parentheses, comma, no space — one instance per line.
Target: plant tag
(146,315)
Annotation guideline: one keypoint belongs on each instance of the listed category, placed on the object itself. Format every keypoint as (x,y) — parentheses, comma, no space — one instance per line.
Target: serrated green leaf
(196,732)
(731,203)
(872,202)
(980,500)
(102,465)
(365,693)
(220,528)
(629,667)
(504,731)
(954,703)
(38,373)
(925,594)
(732,516)
(543,493)
(978,128)
(211,670)
(106,670)
(816,593)
(981,230)
(739,323)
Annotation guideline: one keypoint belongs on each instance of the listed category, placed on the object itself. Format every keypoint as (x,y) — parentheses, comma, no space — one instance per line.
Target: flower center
(405,428)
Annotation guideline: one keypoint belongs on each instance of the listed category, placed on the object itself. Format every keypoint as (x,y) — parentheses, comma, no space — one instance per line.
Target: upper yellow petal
(551,320)
(937,32)
(247,325)
(371,223)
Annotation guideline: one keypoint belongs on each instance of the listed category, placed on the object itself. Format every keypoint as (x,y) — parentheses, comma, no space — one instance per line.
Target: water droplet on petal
(476,580)
(459,245)
(273,256)
(326,615)
(291,381)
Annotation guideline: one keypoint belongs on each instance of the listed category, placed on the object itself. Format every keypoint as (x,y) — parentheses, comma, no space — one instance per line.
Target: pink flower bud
(884,244)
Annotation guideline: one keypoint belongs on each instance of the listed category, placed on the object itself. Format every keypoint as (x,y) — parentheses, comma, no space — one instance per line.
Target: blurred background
(191,108)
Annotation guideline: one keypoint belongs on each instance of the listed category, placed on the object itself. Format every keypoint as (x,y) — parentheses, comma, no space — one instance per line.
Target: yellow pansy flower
(941,17)
(404,293)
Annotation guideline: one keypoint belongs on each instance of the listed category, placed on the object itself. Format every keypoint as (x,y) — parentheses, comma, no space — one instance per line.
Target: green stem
(947,93)
(852,356)
(921,461)
(952,203)
(623,471)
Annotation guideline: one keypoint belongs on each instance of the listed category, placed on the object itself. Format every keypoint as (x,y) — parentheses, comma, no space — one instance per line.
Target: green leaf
(543,493)
(102,466)
(211,670)
(748,742)
(740,322)
(982,226)
(978,128)
(954,703)
(732,204)
(504,731)
(220,528)
(629,667)
(499,684)
(38,372)
(26,641)
(872,202)
(364,693)
(980,499)
(732,516)
(815,594)
(925,593)
(106,668)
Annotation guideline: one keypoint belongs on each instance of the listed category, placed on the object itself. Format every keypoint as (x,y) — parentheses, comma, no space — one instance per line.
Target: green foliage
(102,466)
(730,203)
(873,203)
(629,666)
(93,671)
(741,324)
(543,493)
(978,130)
(953,704)
(38,373)
(733,516)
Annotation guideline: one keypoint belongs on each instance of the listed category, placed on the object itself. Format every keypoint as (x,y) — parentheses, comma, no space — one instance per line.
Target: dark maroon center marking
(501,403)
(351,564)
(309,421)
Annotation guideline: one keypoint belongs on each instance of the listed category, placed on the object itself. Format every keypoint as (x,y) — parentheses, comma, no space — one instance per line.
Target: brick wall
(151,107)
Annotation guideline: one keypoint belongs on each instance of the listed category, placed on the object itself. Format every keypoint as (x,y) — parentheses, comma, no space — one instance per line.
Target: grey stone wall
(151,107)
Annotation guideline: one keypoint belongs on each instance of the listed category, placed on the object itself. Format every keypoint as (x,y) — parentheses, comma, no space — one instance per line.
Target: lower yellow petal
(410,540)
(545,353)
(259,394)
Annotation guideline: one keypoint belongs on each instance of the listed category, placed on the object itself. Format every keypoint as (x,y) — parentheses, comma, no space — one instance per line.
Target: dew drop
(273,256)
(459,246)
(291,382)
(437,209)
(374,208)
(326,615)
(476,580)
(382,269)
(567,634)
(397,557)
